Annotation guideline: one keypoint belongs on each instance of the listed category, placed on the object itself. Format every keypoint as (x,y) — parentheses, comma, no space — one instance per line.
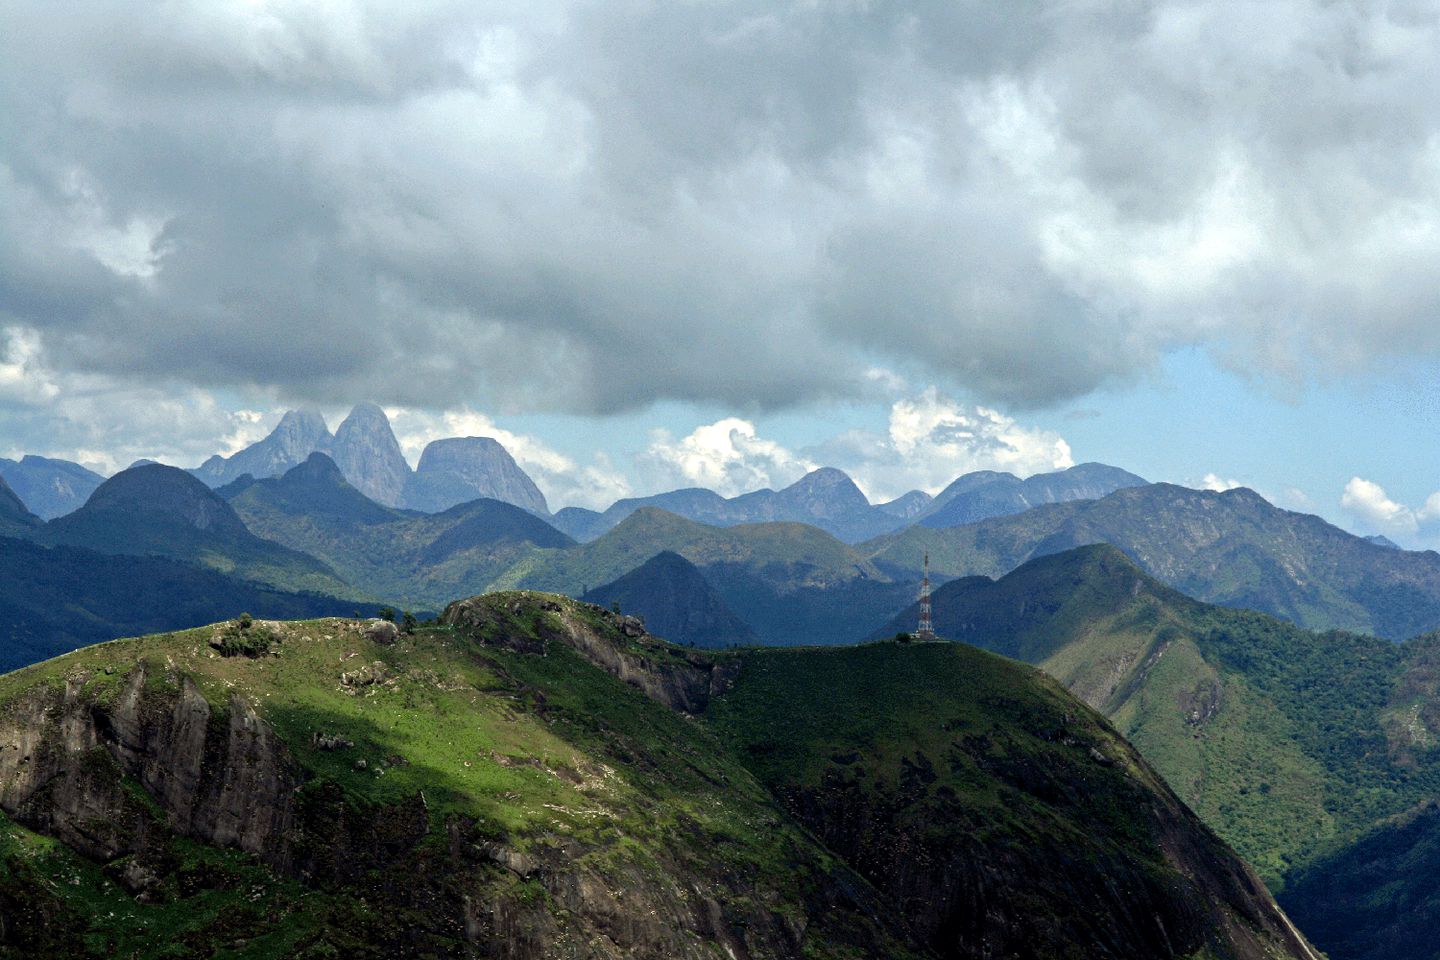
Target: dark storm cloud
(587,206)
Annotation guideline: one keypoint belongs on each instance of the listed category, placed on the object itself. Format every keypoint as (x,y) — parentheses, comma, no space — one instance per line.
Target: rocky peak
(367,453)
(298,434)
(460,469)
(825,492)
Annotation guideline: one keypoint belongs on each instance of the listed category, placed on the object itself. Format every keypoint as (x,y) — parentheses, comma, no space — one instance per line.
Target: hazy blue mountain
(418,560)
(908,506)
(1380,540)
(581,524)
(987,494)
(15,519)
(676,602)
(49,488)
(164,511)
(460,469)
(826,498)
(58,598)
(366,451)
(1231,548)
(299,434)
(791,582)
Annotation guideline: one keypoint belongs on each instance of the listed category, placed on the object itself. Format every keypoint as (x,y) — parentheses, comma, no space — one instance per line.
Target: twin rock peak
(453,470)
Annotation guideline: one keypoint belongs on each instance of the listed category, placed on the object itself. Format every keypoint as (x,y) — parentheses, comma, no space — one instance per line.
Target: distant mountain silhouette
(677,603)
(163,511)
(1232,548)
(985,494)
(49,488)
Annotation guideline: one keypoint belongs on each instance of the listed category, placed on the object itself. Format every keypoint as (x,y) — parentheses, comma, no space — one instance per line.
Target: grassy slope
(987,760)
(531,748)
(1287,742)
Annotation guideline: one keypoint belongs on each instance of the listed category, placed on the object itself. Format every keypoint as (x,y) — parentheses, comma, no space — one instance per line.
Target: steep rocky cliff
(536,777)
(460,469)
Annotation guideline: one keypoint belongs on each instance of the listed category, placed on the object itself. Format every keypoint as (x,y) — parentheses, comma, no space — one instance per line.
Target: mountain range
(1232,548)
(451,471)
(676,602)
(828,499)
(418,560)
(49,488)
(533,775)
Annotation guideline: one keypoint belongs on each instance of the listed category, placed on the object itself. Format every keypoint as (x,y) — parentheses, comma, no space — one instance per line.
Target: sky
(654,244)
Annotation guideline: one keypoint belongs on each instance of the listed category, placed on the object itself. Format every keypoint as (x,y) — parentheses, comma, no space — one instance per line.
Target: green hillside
(155,510)
(1287,742)
(417,560)
(277,789)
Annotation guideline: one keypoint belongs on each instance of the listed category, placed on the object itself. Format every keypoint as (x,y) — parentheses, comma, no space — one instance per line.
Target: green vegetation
(1289,743)
(461,773)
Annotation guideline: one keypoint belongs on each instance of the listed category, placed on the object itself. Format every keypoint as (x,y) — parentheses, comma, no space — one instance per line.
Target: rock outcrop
(299,434)
(367,453)
(460,469)
(617,644)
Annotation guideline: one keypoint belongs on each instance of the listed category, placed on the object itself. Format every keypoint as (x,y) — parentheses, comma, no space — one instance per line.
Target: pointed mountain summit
(50,488)
(164,511)
(299,434)
(677,603)
(317,488)
(15,519)
(460,469)
(367,453)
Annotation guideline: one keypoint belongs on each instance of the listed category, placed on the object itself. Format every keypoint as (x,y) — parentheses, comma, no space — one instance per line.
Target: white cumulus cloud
(726,456)
(1369,504)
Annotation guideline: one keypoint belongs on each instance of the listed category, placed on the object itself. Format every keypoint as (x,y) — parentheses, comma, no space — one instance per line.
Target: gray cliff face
(299,434)
(461,469)
(63,757)
(367,453)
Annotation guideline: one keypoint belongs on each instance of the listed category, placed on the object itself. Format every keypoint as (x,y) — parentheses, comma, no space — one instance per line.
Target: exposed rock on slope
(299,434)
(367,453)
(461,469)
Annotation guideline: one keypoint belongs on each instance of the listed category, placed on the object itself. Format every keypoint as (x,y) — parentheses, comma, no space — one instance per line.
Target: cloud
(931,439)
(1219,484)
(587,207)
(726,456)
(1369,504)
(564,481)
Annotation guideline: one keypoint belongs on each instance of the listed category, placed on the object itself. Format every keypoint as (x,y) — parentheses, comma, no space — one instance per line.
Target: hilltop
(1290,743)
(534,774)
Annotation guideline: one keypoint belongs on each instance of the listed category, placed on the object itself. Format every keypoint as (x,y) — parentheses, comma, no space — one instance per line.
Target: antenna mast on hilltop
(926,630)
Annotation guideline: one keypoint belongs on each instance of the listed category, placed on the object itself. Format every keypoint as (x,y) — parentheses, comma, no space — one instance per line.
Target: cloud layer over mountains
(585,206)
